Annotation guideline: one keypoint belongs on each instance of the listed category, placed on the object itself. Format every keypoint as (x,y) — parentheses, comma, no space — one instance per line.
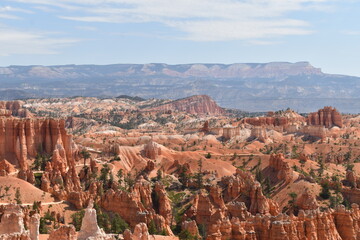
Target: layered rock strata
(327,117)
(21,139)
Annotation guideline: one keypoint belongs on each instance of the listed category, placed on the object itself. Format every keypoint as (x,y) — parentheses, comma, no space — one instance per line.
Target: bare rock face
(66,232)
(89,227)
(347,225)
(278,163)
(152,150)
(352,179)
(351,194)
(6,166)
(259,133)
(5,113)
(327,117)
(138,205)
(261,204)
(306,201)
(34,227)
(274,119)
(14,108)
(21,139)
(12,225)
(12,220)
(224,211)
(198,104)
(205,127)
(311,224)
(316,131)
(140,233)
(191,227)
(163,202)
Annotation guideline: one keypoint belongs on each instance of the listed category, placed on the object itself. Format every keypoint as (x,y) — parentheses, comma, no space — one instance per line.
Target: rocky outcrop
(261,204)
(315,131)
(276,119)
(22,139)
(259,133)
(89,227)
(152,150)
(347,228)
(307,201)
(12,225)
(5,113)
(311,224)
(163,202)
(6,167)
(352,195)
(198,104)
(34,227)
(66,232)
(13,108)
(352,179)
(140,233)
(191,227)
(12,220)
(281,167)
(327,117)
(141,204)
(222,208)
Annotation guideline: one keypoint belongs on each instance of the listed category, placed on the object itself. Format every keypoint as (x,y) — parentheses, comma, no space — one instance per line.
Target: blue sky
(49,32)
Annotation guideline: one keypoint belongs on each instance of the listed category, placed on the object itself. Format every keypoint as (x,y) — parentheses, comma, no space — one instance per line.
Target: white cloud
(351,32)
(7,12)
(200,20)
(20,42)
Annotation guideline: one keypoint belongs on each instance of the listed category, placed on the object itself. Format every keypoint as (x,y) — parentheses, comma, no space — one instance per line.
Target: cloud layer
(200,20)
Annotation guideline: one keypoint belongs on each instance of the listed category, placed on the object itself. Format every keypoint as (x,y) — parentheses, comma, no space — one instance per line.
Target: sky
(325,33)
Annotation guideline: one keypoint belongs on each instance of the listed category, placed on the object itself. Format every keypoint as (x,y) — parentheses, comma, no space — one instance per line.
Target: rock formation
(315,131)
(89,227)
(283,170)
(6,167)
(311,224)
(352,179)
(327,117)
(259,133)
(281,118)
(306,201)
(12,225)
(140,233)
(219,207)
(205,127)
(66,232)
(138,205)
(152,150)
(198,104)
(191,227)
(12,220)
(21,139)
(13,108)
(34,227)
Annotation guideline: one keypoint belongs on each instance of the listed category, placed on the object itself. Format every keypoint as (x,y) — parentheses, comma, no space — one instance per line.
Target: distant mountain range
(245,86)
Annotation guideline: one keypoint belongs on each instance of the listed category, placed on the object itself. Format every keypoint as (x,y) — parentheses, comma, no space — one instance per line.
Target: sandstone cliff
(23,139)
